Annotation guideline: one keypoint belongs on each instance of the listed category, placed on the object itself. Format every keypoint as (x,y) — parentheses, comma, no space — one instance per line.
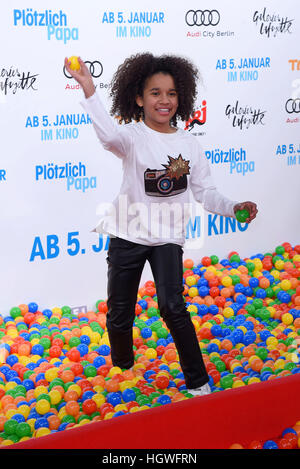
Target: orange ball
(71,395)
(188,263)
(54,422)
(72,408)
(112,385)
(170,355)
(2,422)
(67,376)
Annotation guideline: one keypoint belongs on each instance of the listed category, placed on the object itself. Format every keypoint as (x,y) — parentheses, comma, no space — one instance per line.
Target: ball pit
(56,371)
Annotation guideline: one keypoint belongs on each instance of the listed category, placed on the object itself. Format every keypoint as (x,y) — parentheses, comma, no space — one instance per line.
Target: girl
(160,162)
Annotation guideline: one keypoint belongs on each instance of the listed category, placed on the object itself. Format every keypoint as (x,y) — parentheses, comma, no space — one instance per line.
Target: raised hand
(82,76)
(250,206)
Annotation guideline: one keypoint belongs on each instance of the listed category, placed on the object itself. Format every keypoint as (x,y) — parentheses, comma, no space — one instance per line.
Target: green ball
(241,215)
(226,381)
(15,312)
(66,310)
(74,342)
(262,353)
(10,426)
(46,343)
(279,250)
(214,259)
(235,258)
(23,429)
(250,266)
(152,312)
(257,303)
(220,365)
(90,371)
(162,333)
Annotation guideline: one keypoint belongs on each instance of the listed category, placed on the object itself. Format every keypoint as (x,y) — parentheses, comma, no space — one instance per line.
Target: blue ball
(37,349)
(203,291)
(146,332)
(128,395)
(202,310)
(104,350)
(164,399)
(41,422)
(83,349)
(11,360)
(99,361)
(216,330)
(143,304)
(213,309)
(253,282)
(289,430)
(84,339)
(270,444)
(19,418)
(241,299)
(114,398)
(32,307)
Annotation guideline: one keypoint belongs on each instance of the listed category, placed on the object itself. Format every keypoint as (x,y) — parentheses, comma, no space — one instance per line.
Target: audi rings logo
(95,68)
(292,105)
(202,18)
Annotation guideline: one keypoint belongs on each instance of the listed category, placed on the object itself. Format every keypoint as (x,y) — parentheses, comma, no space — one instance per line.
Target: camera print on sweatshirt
(169,181)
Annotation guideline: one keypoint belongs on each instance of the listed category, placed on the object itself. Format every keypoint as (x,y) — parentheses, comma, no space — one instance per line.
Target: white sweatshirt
(159,171)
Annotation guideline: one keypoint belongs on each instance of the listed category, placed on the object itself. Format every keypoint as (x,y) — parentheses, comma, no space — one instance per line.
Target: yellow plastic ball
(226,281)
(42,432)
(43,406)
(285,284)
(190,281)
(150,353)
(193,291)
(74,65)
(287,319)
(228,312)
(115,370)
(51,374)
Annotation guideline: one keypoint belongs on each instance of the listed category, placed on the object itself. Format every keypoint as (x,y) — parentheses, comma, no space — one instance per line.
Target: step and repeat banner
(54,173)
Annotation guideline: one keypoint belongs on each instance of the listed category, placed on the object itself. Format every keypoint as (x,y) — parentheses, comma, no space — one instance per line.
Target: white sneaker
(201,391)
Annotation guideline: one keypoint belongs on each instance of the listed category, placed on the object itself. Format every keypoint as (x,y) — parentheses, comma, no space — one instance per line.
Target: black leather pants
(126,261)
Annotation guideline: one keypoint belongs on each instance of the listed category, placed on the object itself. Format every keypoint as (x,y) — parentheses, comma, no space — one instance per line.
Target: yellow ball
(258,264)
(40,390)
(296,258)
(228,312)
(42,406)
(193,291)
(24,410)
(279,363)
(150,353)
(115,370)
(190,281)
(51,374)
(238,383)
(253,380)
(287,319)
(42,432)
(55,396)
(76,388)
(99,399)
(10,413)
(275,274)
(196,324)
(272,341)
(135,332)
(285,284)
(192,309)
(226,281)
(75,65)
(279,265)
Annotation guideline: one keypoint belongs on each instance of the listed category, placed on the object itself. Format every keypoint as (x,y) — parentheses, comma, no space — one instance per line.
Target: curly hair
(129,80)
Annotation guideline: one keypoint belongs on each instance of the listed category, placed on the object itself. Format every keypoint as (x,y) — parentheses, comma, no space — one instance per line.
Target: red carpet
(258,411)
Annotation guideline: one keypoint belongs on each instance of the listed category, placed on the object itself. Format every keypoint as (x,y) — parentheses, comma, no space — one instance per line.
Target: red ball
(73,354)
(162,382)
(206,261)
(284,443)
(89,406)
(55,351)
(255,445)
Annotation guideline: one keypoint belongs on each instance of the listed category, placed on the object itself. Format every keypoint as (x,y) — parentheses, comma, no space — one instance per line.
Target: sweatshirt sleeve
(112,136)
(204,189)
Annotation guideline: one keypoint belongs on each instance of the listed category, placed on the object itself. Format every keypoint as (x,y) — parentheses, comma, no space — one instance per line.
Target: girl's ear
(139,101)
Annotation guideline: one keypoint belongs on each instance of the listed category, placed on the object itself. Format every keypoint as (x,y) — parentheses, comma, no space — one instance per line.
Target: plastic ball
(242,215)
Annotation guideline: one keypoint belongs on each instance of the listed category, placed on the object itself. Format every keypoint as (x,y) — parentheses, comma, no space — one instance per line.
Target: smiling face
(160,102)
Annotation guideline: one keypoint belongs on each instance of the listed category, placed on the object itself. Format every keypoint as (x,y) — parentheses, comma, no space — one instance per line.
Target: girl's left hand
(250,206)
